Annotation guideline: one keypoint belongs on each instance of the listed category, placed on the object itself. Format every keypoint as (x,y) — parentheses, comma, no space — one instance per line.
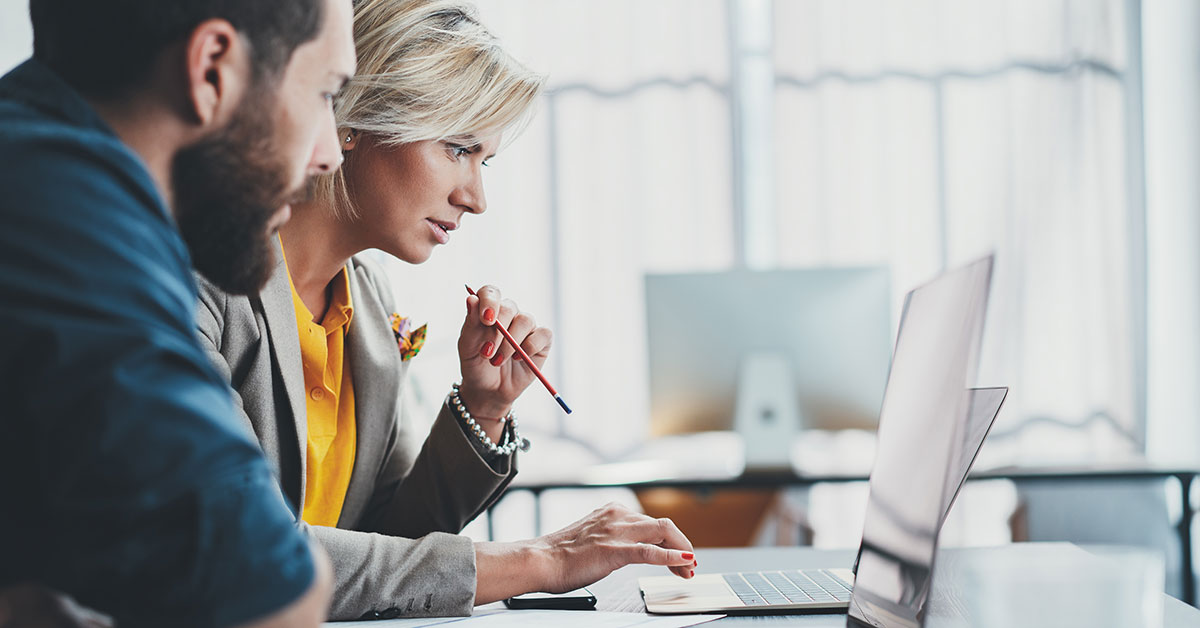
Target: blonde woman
(318,362)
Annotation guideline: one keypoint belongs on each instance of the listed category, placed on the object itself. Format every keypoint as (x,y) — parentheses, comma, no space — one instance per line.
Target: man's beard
(227,188)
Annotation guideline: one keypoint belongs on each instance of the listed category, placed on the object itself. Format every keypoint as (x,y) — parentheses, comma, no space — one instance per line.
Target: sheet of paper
(504,618)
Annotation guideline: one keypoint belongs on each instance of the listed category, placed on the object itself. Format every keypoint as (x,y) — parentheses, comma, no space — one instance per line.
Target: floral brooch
(408,340)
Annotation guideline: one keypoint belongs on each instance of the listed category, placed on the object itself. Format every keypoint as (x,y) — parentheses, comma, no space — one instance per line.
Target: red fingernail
(498,360)
(488,347)
(489,316)
(691,574)
(517,357)
(688,555)
(695,563)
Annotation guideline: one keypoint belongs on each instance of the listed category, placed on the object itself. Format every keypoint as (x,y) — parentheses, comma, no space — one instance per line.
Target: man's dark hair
(102,47)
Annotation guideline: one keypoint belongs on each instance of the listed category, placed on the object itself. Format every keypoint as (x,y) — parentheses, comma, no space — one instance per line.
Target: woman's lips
(440,231)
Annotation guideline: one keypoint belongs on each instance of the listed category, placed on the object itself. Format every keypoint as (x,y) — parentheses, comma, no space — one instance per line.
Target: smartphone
(577,600)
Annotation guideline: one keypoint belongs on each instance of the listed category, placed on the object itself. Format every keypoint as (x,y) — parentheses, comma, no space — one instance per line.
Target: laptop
(820,585)
(931,426)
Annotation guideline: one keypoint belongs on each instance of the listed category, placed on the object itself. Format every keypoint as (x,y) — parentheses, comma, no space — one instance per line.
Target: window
(699,135)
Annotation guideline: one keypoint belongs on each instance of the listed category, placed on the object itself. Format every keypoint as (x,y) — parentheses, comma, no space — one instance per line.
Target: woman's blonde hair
(427,70)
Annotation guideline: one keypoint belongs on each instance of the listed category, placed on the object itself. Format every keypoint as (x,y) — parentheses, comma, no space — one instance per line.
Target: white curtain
(924,134)
(1172,59)
(918,134)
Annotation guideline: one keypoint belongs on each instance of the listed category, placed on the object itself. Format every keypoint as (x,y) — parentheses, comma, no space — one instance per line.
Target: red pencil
(524,356)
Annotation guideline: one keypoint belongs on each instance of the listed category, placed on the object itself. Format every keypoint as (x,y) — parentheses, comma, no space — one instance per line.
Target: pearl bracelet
(510,442)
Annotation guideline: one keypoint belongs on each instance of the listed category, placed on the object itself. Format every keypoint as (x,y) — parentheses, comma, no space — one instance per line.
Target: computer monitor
(747,348)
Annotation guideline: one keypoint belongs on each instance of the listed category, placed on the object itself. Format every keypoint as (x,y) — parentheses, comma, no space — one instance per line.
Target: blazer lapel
(376,369)
(280,315)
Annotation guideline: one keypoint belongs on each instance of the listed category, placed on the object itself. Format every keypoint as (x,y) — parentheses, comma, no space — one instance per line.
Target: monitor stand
(766,413)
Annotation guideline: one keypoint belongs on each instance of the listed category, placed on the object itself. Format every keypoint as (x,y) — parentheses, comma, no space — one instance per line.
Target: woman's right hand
(580,554)
(610,538)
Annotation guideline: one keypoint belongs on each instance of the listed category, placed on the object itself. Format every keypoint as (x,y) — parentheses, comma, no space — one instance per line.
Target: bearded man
(142,138)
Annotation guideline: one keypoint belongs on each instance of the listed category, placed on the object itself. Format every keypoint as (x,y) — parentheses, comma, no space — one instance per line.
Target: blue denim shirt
(125,479)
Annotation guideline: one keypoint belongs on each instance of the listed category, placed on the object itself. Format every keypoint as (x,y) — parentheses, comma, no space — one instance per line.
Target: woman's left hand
(493,374)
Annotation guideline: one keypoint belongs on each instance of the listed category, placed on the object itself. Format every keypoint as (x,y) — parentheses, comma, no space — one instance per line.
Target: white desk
(619,591)
(1094,475)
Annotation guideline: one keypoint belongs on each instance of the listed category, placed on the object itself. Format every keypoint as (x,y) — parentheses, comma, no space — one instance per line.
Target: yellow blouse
(329,401)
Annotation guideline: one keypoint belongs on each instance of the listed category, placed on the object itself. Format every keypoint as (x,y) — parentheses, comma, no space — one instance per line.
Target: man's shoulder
(58,158)
(72,179)
(84,242)
(79,207)
(43,116)
(62,148)
(23,122)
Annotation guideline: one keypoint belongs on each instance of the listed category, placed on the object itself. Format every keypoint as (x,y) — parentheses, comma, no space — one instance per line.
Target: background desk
(619,592)
(1019,475)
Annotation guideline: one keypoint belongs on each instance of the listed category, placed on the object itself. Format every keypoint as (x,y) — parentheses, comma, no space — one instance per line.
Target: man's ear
(218,71)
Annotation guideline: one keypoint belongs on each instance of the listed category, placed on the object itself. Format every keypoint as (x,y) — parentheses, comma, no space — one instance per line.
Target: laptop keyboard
(766,588)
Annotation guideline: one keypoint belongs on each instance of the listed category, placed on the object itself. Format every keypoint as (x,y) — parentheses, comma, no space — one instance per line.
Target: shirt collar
(341,308)
(38,87)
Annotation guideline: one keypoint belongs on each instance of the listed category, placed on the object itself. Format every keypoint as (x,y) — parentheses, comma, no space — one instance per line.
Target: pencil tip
(562,403)
(469,290)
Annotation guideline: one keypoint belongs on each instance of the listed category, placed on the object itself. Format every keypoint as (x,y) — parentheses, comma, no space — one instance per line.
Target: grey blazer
(395,550)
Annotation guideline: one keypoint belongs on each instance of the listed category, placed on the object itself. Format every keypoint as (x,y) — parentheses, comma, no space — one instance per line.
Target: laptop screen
(921,430)
(982,408)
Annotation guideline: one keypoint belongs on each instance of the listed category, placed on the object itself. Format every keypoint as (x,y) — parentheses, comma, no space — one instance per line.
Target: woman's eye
(485,163)
(459,150)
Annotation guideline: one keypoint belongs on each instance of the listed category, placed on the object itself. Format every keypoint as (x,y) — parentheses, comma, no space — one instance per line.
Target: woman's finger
(683,572)
(507,315)
(489,304)
(537,345)
(664,533)
(475,340)
(519,328)
(644,553)
(661,531)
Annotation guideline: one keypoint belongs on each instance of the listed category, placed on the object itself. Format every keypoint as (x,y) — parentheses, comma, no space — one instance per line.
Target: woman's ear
(349,139)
